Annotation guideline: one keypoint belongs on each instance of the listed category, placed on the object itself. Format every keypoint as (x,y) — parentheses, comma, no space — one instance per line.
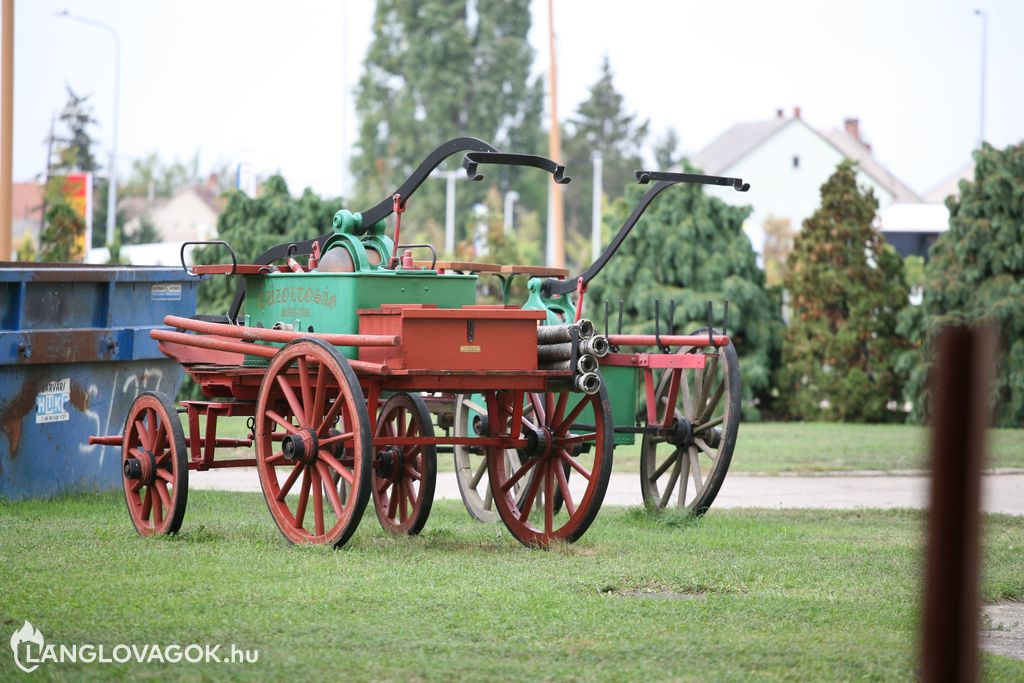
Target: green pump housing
(328,301)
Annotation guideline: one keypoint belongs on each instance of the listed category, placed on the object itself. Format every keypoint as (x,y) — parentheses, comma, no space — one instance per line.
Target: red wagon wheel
(690,462)
(153,465)
(404,474)
(562,428)
(311,424)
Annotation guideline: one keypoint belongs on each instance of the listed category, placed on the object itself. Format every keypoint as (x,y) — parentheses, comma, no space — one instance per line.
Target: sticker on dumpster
(165,292)
(50,402)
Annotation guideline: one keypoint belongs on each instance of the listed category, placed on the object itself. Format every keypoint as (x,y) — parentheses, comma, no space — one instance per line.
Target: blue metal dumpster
(75,351)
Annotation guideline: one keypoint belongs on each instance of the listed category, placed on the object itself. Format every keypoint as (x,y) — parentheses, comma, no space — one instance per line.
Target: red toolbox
(467,338)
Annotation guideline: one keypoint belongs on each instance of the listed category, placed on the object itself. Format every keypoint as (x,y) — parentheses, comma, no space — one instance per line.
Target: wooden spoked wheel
(404,474)
(471,461)
(685,467)
(312,425)
(154,468)
(557,435)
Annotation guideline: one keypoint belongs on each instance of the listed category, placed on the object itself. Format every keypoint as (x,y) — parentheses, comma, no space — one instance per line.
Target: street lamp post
(112,189)
(984,50)
(511,197)
(449,205)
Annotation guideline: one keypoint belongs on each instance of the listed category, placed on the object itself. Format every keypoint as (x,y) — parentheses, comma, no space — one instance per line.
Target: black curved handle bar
(370,216)
(473,159)
(644,177)
(663,180)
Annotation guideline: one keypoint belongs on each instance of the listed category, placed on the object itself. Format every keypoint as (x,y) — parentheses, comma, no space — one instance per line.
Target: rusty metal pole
(960,418)
(556,205)
(7,132)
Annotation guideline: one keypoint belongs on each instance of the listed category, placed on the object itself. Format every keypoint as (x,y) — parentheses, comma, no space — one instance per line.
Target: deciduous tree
(438,69)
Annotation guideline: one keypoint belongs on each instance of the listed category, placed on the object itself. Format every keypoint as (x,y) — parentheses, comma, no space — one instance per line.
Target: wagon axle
(389,464)
(300,446)
(141,469)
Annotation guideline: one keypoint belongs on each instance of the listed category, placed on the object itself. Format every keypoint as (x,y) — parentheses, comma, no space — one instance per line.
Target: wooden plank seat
(536,271)
(461,266)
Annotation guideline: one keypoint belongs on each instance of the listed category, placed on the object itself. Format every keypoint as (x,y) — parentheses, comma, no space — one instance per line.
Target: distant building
(26,211)
(786,161)
(912,228)
(191,214)
(950,187)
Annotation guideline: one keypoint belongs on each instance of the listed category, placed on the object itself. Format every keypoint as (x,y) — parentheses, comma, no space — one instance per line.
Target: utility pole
(984,50)
(345,94)
(556,207)
(595,222)
(7,131)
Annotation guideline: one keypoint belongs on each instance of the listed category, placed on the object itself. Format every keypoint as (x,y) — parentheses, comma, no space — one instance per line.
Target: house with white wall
(191,214)
(786,161)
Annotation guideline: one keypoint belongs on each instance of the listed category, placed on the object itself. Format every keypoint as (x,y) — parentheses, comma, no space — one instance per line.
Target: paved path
(1001,492)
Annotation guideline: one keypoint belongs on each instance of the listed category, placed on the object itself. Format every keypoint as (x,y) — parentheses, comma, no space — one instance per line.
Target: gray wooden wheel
(471,463)
(686,470)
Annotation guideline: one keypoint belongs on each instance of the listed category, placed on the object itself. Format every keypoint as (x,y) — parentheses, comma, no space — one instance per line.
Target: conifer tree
(600,124)
(846,289)
(975,275)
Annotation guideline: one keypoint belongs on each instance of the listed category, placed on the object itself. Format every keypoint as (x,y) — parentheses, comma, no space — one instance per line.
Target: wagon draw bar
(216,342)
(662,181)
(271,335)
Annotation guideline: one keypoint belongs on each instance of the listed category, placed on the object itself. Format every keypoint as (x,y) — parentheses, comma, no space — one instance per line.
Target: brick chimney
(796,112)
(852,127)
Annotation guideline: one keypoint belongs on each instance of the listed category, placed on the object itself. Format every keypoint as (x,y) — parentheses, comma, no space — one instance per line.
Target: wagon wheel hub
(538,441)
(141,469)
(389,464)
(681,432)
(300,446)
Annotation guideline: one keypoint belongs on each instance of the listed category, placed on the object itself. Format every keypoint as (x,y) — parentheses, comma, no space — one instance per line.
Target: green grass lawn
(804,448)
(741,595)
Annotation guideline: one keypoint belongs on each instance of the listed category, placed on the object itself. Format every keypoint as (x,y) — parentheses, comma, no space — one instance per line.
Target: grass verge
(741,595)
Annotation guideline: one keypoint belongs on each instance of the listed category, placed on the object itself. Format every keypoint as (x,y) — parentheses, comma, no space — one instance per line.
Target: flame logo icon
(26,634)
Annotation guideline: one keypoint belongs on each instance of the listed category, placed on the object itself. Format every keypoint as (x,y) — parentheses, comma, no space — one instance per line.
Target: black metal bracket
(711,329)
(644,177)
(614,348)
(553,286)
(474,159)
(234,256)
(662,180)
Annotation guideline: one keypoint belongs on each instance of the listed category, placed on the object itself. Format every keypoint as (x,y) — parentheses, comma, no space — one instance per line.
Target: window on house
(796,162)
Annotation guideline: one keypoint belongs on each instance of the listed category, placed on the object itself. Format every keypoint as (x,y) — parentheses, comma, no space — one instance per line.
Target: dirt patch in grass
(1002,629)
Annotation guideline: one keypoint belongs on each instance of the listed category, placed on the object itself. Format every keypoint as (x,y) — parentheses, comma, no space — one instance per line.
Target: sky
(270,83)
